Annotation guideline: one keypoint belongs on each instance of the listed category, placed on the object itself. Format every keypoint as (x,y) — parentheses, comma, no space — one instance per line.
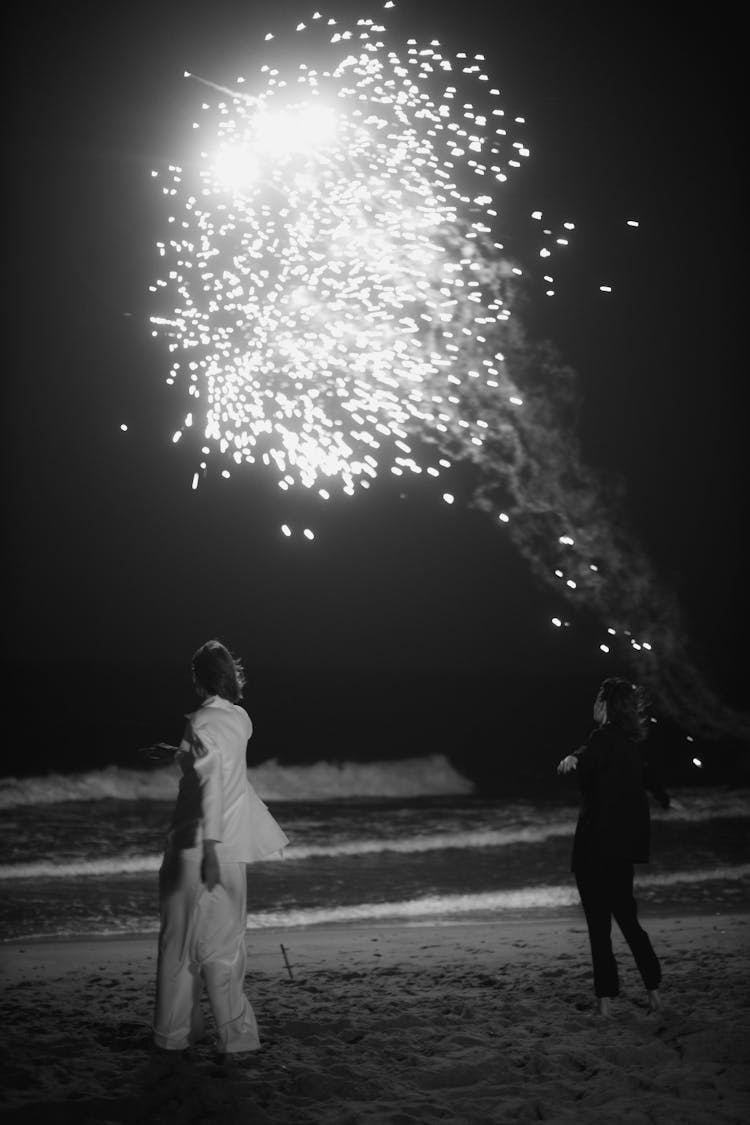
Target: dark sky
(113,559)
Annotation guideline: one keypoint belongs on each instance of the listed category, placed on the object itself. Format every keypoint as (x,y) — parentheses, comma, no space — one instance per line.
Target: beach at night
(374,454)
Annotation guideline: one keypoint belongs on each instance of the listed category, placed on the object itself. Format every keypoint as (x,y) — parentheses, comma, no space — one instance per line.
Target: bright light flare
(332,262)
(299,131)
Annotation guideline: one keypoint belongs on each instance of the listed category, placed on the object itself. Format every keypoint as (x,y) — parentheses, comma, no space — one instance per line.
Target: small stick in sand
(286,962)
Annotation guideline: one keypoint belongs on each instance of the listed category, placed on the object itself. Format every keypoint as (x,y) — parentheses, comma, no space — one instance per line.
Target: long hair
(622,703)
(217,672)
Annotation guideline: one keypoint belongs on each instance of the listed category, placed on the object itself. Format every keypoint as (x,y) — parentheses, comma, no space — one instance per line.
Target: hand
(567,765)
(210,870)
(159,752)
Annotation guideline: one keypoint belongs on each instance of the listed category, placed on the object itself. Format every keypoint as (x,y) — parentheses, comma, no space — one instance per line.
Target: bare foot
(654,1001)
(604,1005)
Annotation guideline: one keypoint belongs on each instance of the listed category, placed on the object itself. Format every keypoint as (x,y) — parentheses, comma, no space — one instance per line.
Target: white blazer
(215,800)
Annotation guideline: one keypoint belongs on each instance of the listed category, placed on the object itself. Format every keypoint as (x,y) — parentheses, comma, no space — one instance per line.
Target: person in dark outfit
(613,833)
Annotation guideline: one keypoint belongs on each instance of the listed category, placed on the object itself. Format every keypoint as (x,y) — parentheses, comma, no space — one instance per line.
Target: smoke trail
(568,520)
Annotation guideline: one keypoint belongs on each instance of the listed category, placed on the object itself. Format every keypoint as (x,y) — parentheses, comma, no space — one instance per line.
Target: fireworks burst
(332,259)
(337,306)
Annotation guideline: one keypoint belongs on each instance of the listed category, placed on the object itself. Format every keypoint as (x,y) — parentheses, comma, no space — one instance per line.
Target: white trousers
(202,940)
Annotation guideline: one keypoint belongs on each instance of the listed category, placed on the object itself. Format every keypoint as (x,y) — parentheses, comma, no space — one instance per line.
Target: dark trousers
(606,890)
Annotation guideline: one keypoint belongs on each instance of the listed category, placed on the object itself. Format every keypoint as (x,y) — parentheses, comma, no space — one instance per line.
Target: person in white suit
(219,825)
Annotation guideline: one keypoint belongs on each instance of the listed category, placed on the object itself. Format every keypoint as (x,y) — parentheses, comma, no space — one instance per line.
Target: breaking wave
(432,776)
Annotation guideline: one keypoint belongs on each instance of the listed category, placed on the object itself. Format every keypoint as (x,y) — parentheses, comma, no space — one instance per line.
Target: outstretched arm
(570,761)
(159,752)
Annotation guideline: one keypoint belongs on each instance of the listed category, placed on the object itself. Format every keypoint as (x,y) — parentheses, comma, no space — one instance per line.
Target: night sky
(406,627)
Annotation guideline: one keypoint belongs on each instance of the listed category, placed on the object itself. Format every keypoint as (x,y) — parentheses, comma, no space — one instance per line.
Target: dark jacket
(614,821)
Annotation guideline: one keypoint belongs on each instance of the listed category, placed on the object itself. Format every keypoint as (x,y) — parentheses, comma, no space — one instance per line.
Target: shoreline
(521,917)
(347,930)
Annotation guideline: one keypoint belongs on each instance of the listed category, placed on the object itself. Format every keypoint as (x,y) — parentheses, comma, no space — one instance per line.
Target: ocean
(394,840)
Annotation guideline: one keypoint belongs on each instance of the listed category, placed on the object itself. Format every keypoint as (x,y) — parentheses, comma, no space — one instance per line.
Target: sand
(472,1024)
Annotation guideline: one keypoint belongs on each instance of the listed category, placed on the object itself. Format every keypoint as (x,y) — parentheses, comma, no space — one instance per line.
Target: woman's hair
(217,672)
(622,703)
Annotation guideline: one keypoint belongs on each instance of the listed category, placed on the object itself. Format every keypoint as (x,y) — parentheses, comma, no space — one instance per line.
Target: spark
(330,269)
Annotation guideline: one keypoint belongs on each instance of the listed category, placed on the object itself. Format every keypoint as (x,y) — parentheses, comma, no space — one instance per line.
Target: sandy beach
(466,1023)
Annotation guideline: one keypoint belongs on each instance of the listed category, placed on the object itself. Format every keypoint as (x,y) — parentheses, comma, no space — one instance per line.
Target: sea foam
(543,897)
(487,905)
(404,778)
(408,844)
